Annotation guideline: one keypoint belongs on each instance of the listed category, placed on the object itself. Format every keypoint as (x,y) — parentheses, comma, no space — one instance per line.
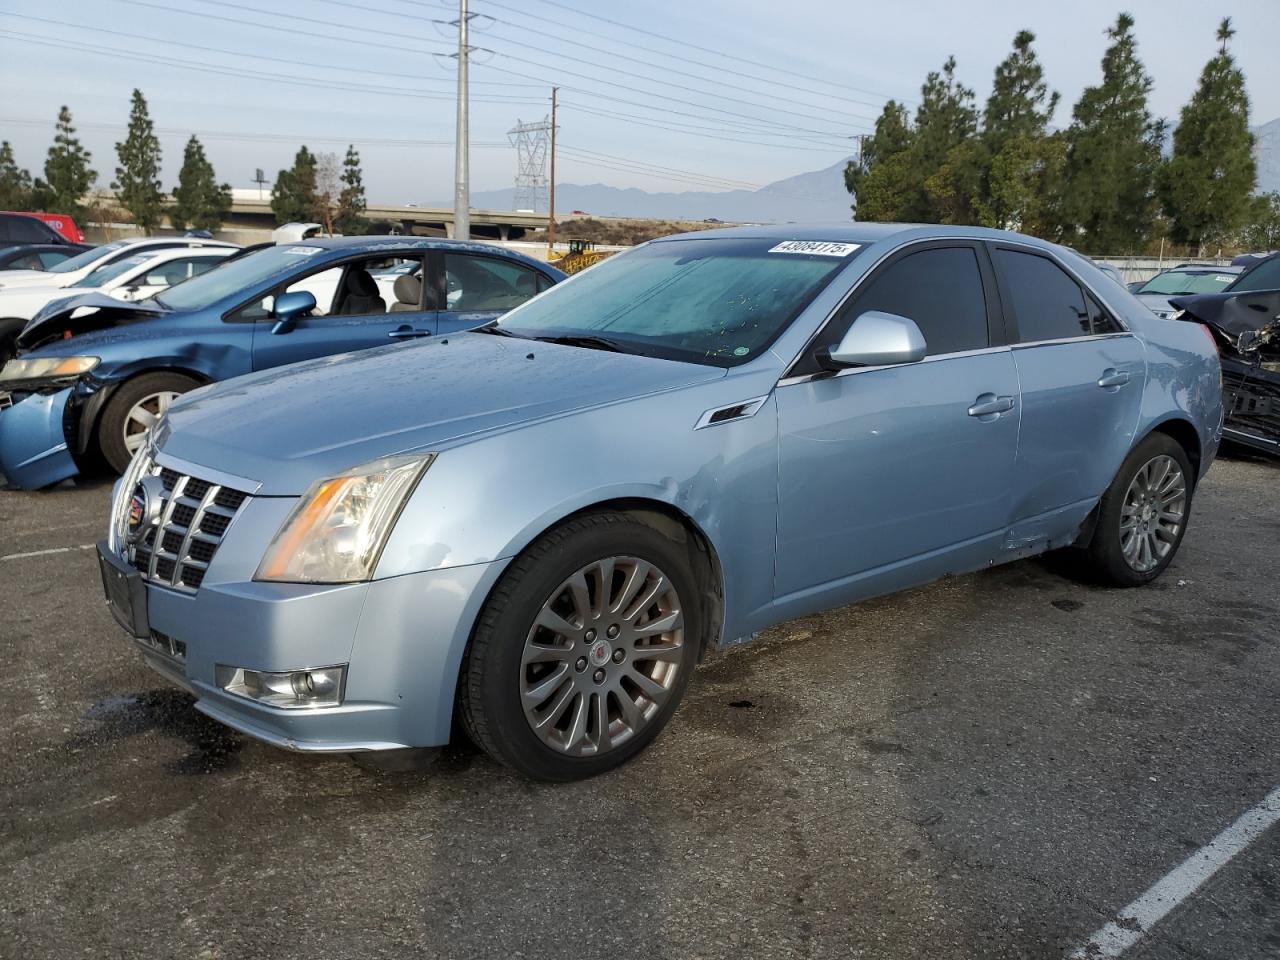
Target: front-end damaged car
(1245,322)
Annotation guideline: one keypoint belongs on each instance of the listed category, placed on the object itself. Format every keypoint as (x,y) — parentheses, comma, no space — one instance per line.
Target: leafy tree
(1113,152)
(1207,184)
(878,179)
(1014,191)
(351,203)
(199,201)
(293,198)
(954,189)
(15,182)
(137,183)
(1262,229)
(67,174)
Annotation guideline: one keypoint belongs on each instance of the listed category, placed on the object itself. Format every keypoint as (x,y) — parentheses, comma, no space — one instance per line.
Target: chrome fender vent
(733,411)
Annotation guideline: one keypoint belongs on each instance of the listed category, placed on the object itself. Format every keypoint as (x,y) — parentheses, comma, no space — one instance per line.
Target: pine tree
(351,202)
(15,182)
(137,183)
(293,198)
(198,200)
(1262,229)
(877,179)
(67,174)
(945,120)
(1207,185)
(1113,153)
(1013,192)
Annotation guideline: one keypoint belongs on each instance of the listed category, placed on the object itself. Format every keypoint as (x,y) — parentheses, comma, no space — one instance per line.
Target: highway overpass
(422,221)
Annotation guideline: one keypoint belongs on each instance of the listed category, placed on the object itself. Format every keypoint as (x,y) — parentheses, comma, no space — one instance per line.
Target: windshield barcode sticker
(303,251)
(823,248)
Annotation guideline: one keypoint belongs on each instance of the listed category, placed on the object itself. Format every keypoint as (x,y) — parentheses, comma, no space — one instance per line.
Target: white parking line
(45,553)
(1137,919)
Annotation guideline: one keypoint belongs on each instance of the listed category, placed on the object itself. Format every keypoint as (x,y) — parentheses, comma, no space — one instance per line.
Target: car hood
(1154,301)
(81,313)
(20,279)
(1235,316)
(288,427)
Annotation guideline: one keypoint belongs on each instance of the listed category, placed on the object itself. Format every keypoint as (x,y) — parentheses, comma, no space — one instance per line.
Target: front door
(352,313)
(895,475)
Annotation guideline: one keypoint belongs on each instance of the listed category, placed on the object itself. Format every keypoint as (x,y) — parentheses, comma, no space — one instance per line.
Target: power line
(133,35)
(595,154)
(825,81)
(245,74)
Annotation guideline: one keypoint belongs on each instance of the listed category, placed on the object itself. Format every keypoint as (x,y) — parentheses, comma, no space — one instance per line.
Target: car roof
(854,231)
(412,243)
(186,241)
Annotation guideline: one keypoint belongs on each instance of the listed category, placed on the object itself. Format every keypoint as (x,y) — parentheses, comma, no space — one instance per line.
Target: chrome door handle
(989,405)
(1113,378)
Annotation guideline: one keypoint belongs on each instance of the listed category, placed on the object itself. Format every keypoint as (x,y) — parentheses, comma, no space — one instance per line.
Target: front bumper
(34,451)
(402,639)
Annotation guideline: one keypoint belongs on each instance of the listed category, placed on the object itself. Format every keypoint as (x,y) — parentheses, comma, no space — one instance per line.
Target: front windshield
(1174,282)
(89,256)
(1265,276)
(236,276)
(718,301)
(109,271)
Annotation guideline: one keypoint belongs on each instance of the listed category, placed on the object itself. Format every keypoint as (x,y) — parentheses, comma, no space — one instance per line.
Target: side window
(30,262)
(1045,298)
(175,271)
(51,258)
(1100,321)
(940,289)
(486,283)
(323,286)
(28,230)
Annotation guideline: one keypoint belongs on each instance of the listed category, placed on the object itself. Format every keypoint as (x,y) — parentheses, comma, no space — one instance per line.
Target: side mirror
(875,339)
(289,307)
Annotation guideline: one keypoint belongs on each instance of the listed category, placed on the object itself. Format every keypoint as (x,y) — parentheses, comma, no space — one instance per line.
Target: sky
(665,96)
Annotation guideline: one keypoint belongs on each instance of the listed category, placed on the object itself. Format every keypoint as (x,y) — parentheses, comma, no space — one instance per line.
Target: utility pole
(462,164)
(551,205)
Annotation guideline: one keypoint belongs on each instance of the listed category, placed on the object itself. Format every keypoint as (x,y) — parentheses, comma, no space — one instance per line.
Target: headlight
(47,368)
(337,531)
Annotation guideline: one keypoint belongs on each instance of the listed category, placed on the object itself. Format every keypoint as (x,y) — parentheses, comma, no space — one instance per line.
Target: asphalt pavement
(991,766)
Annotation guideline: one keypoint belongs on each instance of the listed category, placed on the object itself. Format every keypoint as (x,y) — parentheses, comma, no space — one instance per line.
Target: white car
(78,267)
(135,277)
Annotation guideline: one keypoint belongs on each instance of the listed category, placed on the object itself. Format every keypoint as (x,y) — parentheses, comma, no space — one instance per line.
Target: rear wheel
(1142,517)
(584,649)
(135,407)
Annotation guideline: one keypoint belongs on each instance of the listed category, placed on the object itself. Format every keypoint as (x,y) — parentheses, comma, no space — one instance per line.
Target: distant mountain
(1267,152)
(817,195)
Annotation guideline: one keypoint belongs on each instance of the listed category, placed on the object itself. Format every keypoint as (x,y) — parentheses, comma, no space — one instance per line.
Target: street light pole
(462,165)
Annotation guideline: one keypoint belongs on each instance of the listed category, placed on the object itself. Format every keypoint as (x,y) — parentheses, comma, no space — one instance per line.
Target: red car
(63,225)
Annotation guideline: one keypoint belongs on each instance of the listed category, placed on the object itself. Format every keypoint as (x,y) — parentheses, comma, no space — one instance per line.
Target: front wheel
(1142,517)
(137,405)
(584,649)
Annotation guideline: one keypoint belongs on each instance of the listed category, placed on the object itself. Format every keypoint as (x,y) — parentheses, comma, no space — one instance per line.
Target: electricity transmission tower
(531,141)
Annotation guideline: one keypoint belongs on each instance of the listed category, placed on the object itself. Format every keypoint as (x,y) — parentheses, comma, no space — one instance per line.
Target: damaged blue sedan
(94,373)
(538,528)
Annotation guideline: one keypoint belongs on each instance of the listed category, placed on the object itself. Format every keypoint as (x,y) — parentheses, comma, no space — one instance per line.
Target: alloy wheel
(1154,510)
(143,415)
(602,656)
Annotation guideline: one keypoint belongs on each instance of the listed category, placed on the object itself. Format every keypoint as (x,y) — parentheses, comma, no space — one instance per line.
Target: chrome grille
(194,515)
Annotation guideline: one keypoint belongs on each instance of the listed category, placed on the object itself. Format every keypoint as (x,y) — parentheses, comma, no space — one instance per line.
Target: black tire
(112,423)
(1105,555)
(489,685)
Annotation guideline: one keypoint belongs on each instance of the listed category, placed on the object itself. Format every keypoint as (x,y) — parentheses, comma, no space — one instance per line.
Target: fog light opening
(294,689)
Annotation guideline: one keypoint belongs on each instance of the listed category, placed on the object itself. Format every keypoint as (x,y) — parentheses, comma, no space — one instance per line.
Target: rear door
(1082,377)
(474,289)
(901,472)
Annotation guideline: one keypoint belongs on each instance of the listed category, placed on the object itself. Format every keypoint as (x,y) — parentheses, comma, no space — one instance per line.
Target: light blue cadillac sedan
(539,528)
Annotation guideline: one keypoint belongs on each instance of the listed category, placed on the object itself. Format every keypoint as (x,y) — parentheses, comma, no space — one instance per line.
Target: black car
(38,256)
(1245,321)
(18,228)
